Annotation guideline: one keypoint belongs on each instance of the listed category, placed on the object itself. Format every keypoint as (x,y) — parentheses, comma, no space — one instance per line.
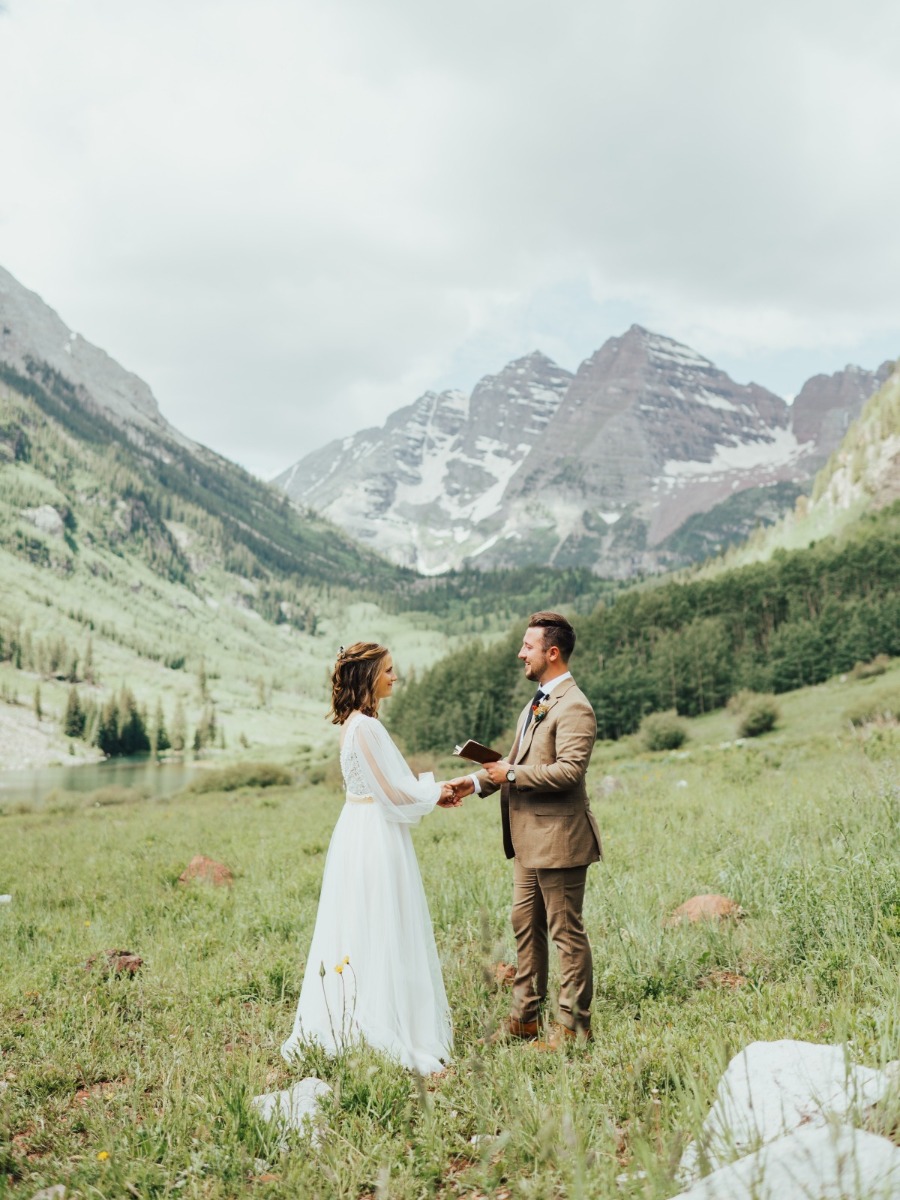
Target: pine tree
(133,737)
(108,728)
(74,718)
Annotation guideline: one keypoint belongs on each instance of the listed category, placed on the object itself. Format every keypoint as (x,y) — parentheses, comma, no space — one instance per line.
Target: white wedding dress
(373,918)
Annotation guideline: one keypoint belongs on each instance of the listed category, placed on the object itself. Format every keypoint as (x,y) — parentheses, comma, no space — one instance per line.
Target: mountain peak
(826,405)
(32,336)
(542,466)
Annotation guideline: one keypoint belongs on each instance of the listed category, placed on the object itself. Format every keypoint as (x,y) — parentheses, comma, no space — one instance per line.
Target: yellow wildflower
(103,1156)
(340,968)
(345,959)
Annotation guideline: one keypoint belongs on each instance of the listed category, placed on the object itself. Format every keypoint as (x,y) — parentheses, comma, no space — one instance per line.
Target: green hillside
(140,563)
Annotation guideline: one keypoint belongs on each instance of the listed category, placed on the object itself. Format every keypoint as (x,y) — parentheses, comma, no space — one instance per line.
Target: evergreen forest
(798,619)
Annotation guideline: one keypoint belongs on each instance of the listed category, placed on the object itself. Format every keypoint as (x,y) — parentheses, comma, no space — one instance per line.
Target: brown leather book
(475,752)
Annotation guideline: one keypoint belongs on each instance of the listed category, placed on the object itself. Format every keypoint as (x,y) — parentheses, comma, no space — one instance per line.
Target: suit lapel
(555,696)
(514,753)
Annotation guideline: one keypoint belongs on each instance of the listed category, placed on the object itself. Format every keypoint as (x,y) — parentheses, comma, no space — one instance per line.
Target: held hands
(462,786)
(449,797)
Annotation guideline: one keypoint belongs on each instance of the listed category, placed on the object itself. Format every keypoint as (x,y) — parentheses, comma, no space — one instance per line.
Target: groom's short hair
(557,632)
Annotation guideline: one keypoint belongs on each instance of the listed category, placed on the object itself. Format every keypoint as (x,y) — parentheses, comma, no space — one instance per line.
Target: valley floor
(118,1085)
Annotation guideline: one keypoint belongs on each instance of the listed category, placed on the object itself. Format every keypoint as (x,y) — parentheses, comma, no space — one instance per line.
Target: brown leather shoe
(512,1029)
(561,1035)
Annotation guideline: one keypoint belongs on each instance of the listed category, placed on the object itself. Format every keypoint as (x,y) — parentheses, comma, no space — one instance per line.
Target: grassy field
(140,1086)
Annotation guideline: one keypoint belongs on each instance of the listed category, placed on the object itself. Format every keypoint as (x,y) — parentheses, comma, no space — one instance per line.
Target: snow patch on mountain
(778,449)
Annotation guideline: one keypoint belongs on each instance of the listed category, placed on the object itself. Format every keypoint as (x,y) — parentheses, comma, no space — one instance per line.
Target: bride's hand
(448,797)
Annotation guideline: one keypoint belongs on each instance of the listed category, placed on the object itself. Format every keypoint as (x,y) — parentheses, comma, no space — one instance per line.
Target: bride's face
(385,682)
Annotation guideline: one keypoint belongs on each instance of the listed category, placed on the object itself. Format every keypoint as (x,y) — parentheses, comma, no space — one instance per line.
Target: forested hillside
(147,575)
(152,592)
(152,483)
(801,617)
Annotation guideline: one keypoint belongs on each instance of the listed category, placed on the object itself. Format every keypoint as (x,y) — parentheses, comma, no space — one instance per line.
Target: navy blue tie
(538,697)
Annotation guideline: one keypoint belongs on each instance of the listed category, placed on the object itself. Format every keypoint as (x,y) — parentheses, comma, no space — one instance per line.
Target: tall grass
(157,1072)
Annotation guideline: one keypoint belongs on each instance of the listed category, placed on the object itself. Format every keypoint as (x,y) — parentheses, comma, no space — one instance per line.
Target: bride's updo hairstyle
(353,682)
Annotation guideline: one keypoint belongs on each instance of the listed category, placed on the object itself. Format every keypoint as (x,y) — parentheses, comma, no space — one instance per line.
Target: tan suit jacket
(547,818)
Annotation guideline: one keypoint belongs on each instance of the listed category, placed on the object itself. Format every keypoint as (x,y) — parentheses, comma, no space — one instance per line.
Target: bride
(372,972)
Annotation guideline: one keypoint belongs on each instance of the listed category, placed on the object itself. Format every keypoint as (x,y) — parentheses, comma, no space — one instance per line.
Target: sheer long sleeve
(387,776)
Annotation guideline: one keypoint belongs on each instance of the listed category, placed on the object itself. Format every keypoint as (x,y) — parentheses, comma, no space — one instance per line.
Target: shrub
(871,711)
(867,670)
(759,714)
(739,701)
(241,775)
(663,731)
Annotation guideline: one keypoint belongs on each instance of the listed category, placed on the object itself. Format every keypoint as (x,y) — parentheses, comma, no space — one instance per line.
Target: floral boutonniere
(539,711)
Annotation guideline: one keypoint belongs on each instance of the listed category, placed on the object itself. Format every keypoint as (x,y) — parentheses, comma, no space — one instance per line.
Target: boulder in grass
(826,1162)
(709,907)
(610,784)
(208,871)
(722,979)
(774,1089)
(295,1108)
(119,962)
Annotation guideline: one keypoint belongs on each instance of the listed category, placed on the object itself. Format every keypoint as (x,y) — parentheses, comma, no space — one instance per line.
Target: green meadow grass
(141,1086)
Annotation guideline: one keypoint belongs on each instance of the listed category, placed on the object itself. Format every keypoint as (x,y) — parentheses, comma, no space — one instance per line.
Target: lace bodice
(373,766)
(351,767)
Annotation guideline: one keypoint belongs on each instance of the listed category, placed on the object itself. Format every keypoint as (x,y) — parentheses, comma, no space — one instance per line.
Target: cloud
(291,218)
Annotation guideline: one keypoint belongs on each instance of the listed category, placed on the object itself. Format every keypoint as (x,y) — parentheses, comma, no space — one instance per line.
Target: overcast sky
(291,217)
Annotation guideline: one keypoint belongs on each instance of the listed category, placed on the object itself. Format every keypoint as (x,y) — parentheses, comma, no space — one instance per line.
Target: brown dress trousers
(550,831)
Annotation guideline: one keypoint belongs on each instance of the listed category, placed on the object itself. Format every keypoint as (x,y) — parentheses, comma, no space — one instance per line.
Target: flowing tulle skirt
(373,923)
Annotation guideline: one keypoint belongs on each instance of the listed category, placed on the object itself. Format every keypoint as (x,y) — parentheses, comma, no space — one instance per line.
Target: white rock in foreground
(812,1163)
(296,1107)
(771,1088)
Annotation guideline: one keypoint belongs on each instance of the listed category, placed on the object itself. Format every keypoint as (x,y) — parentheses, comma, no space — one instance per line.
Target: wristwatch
(510,776)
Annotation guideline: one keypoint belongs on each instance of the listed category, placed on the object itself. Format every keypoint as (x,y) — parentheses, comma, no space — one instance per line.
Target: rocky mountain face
(174,504)
(827,404)
(861,476)
(598,469)
(426,489)
(33,338)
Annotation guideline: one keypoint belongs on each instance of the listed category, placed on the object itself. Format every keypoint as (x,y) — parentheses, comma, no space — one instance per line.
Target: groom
(549,831)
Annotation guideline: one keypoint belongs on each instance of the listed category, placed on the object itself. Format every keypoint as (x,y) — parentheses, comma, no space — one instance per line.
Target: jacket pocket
(560,808)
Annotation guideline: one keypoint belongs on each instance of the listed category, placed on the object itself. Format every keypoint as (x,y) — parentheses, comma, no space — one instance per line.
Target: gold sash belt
(353,798)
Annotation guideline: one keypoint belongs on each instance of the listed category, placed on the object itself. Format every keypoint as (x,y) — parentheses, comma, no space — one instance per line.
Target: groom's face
(533,654)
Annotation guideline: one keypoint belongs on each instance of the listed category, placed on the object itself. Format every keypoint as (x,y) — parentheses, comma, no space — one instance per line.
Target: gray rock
(46,519)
